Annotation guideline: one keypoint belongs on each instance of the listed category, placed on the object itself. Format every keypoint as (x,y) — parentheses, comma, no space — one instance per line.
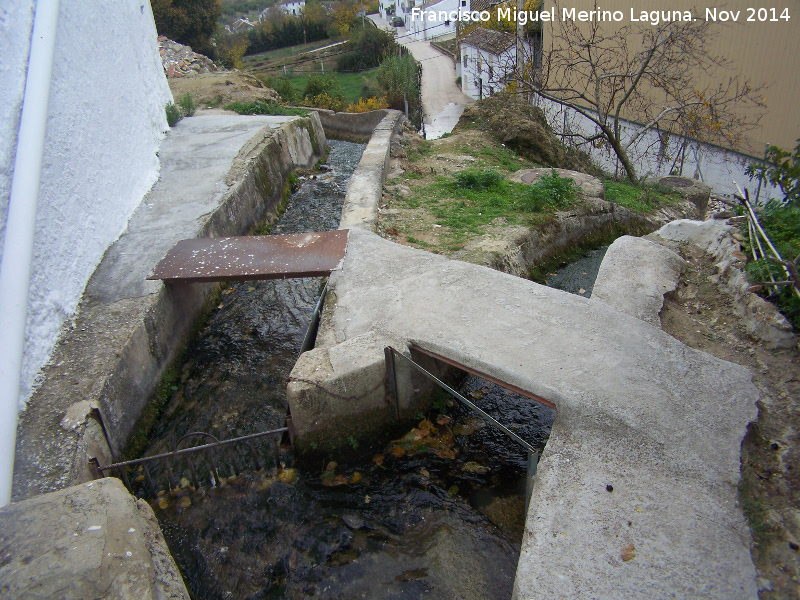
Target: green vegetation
(287,52)
(471,199)
(187,105)
(399,80)
(173,114)
(258,107)
(349,87)
(782,225)
(640,199)
(367,48)
(783,171)
(550,191)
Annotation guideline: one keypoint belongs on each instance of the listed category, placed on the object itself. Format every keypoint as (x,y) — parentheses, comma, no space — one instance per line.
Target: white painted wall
(716,167)
(105,122)
(483,66)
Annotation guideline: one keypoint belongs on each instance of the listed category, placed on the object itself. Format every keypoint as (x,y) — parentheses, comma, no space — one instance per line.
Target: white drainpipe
(15,271)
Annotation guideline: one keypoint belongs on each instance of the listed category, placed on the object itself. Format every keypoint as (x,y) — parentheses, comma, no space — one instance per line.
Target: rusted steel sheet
(253,257)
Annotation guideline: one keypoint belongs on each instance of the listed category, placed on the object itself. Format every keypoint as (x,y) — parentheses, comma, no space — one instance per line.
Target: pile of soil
(221,88)
(524,128)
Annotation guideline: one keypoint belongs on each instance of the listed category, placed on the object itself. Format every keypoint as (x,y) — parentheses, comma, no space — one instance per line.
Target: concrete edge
(364,191)
(635,275)
(761,318)
(113,355)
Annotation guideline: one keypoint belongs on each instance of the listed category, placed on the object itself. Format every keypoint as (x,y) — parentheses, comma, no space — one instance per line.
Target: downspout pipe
(15,270)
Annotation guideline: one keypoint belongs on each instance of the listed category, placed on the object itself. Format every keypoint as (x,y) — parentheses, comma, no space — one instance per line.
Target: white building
(488,61)
(100,131)
(432,19)
(290,7)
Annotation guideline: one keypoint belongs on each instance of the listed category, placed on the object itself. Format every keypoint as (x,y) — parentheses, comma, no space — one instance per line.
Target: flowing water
(437,513)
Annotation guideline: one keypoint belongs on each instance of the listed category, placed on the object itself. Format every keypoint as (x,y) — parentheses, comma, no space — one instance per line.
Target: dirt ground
(218,89)
(701,316)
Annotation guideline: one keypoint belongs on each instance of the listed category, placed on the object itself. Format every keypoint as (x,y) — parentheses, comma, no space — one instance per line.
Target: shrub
(282,86)
(477,181)
(549,191)
(173,114)
(324,100)
(187,105)
(783,171)
(367,104)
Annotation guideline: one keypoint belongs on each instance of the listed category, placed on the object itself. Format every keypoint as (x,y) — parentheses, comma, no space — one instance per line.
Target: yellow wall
(765,53)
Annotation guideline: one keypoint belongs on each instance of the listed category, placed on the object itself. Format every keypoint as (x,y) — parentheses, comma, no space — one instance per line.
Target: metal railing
(208,450)
(391,367)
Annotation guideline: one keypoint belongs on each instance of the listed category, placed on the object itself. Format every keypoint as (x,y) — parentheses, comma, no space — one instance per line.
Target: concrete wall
(350,125)
(106,120)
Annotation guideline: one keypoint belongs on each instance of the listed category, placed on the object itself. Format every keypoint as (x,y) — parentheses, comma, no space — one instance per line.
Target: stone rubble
(179,60)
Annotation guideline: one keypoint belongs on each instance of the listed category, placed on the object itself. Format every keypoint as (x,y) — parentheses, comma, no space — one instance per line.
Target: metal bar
(170,476)
(214,472)
(193,449)
(392,374)
(311,333)
(125,479)
(276,453)
(502,384)
(533,464)
(485,416)
(149,479)
(194,474)
(254,452)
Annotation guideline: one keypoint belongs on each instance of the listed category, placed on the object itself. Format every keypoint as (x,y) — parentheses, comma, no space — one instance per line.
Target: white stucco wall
(478,66)
(105,122)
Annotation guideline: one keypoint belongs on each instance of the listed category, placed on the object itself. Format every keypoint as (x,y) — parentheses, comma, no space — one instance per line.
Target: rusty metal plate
(253,257)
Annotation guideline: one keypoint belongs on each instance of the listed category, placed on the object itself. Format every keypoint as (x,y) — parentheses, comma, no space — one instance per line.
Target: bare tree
(661,76)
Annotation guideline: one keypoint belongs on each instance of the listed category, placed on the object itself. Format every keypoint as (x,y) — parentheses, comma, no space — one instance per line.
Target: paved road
(442,100)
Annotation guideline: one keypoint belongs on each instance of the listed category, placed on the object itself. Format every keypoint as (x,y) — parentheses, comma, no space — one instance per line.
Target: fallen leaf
(356,477)
(378,459)
(398,451)
(287,476)
(638,509)
(442,420)
(581,291)
(163,503)
(424,472)
(473,467)
(629,552)
(184,502)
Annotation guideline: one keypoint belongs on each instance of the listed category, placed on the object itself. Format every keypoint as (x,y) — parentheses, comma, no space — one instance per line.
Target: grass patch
(639,199)
(424,149)
(473,198)
(351,85)
(258,107)
(550,191)
(286,52)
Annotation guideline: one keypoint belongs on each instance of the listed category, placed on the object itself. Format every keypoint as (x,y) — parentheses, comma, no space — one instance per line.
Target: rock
(92,540)
(693,190)
(179,60)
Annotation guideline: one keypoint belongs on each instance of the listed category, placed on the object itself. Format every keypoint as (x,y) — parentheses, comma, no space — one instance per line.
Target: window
(463,3)
(465,60)
(491,72)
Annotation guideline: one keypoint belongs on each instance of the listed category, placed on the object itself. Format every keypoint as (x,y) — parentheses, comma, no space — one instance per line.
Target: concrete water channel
(631,494)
